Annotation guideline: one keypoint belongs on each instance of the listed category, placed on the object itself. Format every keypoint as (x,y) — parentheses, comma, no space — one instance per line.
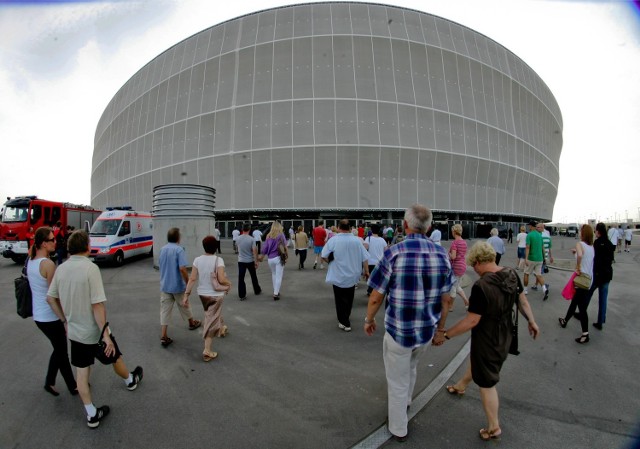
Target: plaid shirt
(415,274)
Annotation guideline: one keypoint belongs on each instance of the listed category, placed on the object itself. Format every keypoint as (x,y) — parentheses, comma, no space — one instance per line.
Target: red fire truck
(21,216)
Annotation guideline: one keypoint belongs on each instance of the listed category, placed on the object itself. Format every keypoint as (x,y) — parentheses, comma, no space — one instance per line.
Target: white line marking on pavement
(380,436)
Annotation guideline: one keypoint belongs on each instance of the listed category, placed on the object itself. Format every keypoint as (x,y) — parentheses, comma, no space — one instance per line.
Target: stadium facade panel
(335,107)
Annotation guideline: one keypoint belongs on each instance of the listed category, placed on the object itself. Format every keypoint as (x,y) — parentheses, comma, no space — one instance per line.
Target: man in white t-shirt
(628,235)
(620,238)
(257,236)
(216,234)
(234,235)
(375,246)
(436,235)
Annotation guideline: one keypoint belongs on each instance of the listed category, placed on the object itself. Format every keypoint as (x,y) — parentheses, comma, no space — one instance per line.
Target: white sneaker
(344,328)
(526,291)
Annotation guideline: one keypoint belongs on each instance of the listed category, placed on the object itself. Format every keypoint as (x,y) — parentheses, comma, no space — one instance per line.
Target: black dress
(492,297)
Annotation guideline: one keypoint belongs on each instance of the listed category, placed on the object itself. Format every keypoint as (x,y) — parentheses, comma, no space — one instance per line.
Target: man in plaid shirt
(416,275)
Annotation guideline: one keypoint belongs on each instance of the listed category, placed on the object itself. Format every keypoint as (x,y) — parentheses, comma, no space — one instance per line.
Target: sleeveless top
(586,265)
(42,311)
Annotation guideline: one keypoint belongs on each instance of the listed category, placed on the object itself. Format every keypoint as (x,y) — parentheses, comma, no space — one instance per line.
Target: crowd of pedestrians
(412,276)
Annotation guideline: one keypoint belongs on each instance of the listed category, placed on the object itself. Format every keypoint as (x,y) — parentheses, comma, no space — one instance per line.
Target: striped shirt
(415,274)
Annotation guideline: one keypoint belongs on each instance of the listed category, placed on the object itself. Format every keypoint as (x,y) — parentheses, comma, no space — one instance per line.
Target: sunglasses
(50,240)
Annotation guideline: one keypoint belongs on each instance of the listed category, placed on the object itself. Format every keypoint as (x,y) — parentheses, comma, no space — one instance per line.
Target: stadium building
(331,110)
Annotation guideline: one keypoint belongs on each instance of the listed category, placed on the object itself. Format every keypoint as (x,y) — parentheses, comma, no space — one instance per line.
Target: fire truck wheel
(19,259)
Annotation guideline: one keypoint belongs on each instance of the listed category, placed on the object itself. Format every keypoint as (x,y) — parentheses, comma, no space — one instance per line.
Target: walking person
(457,252)
(602,272)
(498,245)
(301,242)
(436,235)
(40,270)
(61,243)
(247,261)
(275,250)
(521,240)
(375,248)
(612,234)
(257,236)
(628,235)
(201,272)
(77,290)
(510,239)
(584,253)
(534,255)
(216,234)
(347,260)
(415,275)
(490,320)
(173,281)
(234,236)
(319,235)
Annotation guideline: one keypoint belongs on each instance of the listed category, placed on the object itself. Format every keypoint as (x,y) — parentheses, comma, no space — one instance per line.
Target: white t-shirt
(628,234)
(436,236)
(613,235)
(376,249)
(257,235)
(205,264)
(522,240)
(216,233)
(235,234)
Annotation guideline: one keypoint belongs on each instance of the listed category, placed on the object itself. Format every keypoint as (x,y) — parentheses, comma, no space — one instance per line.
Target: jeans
(603,295)
(59,360)
(344,302)
(401,367)
(277,270)
(243,267)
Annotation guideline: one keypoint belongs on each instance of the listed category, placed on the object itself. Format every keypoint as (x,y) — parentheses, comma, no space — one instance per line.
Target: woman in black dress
(490,319)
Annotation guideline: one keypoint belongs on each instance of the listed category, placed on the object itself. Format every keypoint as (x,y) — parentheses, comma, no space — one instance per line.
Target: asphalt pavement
(287,377)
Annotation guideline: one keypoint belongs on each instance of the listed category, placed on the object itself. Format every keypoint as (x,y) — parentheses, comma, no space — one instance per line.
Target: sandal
(563,322)
(486,435)
(196,324)
(165,341)
(209,356)
(451,389)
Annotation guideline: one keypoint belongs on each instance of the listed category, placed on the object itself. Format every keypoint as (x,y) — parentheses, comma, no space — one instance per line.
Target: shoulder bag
(282,251)
(217,286)
(582,281)
(23,293)
(101,346)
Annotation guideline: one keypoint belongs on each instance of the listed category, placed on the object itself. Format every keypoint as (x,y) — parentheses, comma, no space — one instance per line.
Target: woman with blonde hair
(203,267)
(275,249)
(40,270)
(584,264)
(457,252)
(490,319)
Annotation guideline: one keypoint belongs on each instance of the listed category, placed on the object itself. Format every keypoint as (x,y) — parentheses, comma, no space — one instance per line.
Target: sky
(62,62)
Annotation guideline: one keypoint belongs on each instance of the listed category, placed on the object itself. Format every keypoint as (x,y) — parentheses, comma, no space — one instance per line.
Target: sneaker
(101,412)
(243,298)
(546,295)
(526,291)
(534,288)
(137,377)
(314,265)
(344,328)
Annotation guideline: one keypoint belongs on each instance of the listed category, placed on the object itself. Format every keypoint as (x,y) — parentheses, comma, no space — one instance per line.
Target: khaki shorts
(455,287)
(533,268)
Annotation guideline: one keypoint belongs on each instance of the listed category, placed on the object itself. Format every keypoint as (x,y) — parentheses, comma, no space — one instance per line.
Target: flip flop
(451,389)
(209,356)
(487,435)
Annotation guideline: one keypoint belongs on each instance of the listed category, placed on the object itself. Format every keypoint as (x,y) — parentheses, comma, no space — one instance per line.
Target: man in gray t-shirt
(247,260)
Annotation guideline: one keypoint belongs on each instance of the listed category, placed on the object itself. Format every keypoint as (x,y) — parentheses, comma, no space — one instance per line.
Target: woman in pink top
(457,253)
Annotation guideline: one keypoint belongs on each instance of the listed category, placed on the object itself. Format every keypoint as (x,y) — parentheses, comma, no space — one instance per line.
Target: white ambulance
(120,233)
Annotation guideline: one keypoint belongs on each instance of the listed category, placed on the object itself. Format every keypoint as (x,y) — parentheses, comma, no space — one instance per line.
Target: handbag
(23,293)
(101,346)
(569,290)
(217,286)
(513,347)
(582,281)
(282,252)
